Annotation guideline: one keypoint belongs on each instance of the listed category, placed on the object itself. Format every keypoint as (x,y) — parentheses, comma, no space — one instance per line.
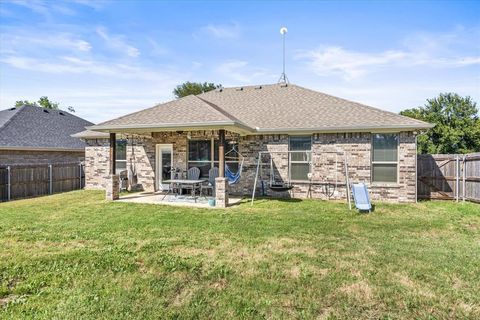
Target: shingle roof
(90,134)
(267,108)
(30,127)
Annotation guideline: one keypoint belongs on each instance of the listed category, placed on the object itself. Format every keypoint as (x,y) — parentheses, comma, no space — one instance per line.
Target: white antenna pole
(283,77)
(283,54)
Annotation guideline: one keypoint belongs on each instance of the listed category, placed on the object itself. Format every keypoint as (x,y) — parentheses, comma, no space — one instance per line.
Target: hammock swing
(233,178)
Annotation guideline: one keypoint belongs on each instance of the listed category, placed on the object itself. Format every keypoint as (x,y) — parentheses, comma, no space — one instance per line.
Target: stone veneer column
(221,192)
(113,187)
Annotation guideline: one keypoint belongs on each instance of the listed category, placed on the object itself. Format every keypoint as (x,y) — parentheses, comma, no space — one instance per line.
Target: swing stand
(328,188)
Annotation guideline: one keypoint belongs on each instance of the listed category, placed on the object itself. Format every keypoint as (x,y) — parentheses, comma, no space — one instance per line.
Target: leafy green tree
(20,103)
(43,102)
(188,88)
(457,124)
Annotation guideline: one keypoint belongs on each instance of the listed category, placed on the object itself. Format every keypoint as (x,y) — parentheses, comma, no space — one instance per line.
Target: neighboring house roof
(89,134)
(276,108)
(34,128)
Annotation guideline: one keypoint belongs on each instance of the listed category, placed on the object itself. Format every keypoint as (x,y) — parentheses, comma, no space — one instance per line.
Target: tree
(457,124)
(43,102)
(188,88)
(20,103)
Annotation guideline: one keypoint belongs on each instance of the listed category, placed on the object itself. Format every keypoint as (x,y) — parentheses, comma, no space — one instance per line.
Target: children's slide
(361,198)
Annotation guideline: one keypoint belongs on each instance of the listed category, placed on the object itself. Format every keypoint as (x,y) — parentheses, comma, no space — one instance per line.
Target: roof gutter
(232,125)
(17,148)
(344,129)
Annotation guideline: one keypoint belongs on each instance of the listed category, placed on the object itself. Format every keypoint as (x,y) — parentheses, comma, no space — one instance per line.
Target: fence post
(464,176)
(50,179)
(8,184)
(457,177)
(80,175)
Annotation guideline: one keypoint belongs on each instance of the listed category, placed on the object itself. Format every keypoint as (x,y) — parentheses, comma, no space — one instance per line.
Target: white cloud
(240,71)
(74,65)
(425,50)
(48,8)
(350,64)
(117,42)
(222,31)
(13,41)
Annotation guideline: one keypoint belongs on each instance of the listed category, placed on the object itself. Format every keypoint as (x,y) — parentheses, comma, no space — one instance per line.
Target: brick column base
(112,191)
(221,192)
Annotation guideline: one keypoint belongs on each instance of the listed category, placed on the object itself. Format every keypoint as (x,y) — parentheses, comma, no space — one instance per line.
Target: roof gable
(30,127)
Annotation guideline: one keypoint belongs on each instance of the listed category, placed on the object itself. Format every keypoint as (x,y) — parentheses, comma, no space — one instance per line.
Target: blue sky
(109,58)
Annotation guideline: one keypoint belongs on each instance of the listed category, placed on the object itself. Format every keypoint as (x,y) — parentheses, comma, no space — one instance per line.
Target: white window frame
(308,161)
(117,169)
(372,162)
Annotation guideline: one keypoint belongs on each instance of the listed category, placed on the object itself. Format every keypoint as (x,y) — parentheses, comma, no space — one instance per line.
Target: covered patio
(172,200)
(164,162)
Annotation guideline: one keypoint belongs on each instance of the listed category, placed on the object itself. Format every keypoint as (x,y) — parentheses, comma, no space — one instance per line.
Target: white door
(164,161)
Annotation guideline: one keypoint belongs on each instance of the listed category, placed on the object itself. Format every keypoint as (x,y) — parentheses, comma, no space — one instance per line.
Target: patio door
(164,162)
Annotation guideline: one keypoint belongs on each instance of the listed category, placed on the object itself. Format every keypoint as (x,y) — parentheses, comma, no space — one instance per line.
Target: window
(121,156)
(200,155)
(299,159)
(203,156)
(385,157)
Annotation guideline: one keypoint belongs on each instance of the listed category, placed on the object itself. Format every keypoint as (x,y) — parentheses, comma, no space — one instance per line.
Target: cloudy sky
(109,58)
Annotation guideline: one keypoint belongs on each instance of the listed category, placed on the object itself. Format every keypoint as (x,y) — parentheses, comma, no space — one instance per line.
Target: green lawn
(77,256)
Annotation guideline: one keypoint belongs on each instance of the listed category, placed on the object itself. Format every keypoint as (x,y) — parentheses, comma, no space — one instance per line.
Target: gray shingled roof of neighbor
(90,134)
(34,128)
(275,108)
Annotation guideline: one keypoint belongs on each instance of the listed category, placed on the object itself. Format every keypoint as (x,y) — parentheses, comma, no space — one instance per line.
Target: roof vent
(11,109)
(258,87)
(46,111)
(240,89)
(284,85)
(61,113)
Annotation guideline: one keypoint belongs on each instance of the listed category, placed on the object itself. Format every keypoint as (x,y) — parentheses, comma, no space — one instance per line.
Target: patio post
(221,153)
(221,183)
(112,191)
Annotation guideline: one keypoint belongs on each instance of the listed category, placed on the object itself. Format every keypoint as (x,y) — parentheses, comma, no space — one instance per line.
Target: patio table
(179,182)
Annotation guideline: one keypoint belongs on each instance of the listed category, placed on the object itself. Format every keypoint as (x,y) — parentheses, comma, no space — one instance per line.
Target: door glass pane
(166,164)
(385,147)
(384,172)
(300,143)
(199,150)
(299,171)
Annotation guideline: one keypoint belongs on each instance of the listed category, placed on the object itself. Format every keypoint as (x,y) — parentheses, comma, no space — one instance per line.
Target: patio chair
(192,174)
(212,174)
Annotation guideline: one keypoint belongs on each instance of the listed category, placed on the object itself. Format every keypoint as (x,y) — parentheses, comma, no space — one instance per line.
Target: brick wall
(97,166)
(39,157)
(327,163)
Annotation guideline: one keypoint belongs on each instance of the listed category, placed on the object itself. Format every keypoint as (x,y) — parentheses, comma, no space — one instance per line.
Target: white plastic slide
(361,198)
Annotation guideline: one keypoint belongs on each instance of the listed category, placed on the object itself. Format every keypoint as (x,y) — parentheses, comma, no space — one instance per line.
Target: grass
(75,255)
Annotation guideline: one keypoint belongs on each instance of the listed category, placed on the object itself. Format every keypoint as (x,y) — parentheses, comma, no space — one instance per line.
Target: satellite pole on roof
(283,78)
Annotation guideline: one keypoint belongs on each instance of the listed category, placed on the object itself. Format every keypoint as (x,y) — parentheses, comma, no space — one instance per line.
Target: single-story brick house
(279,119)
(34,135)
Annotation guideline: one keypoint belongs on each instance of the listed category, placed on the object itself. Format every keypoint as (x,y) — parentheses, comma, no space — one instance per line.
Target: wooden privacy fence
(26,181)
(449,176)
